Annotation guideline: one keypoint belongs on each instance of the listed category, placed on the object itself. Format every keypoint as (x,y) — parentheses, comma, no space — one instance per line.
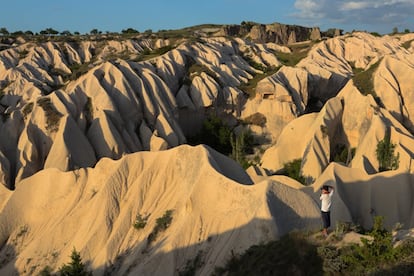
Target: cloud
(375,13)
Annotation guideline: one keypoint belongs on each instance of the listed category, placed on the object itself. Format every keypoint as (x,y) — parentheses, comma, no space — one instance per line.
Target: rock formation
(92,138)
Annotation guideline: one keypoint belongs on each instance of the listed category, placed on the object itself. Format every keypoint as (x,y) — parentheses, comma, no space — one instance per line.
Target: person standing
(326,202)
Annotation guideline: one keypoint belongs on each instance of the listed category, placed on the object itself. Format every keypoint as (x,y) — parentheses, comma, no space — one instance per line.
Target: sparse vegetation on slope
(52,115)
(140,222)
(216,134)
(364,81)
(407,44)
(293,254)
(148,54)
(298,52)
(161,225)
(303,253)
(387,159)
(292,169)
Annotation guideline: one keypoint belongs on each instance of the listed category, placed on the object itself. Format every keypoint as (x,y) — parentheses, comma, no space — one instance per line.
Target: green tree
(75,267)
(217,135)
(395,30)
(95,32)
(130,31)
(17,33)
(241,145)
(66,33)
(385,154)
(4,31)
(49,31)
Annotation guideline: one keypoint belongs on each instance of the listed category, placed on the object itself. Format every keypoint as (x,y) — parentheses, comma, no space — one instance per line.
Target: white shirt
(326,201)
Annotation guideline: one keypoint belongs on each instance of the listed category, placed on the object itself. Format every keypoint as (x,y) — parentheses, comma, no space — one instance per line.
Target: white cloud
(352,5)
(374,14)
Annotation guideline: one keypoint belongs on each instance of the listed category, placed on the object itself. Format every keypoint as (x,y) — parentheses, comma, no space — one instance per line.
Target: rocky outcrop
(94,211)
(275,32)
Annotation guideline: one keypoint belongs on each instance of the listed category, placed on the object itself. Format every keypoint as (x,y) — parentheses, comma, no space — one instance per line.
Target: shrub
(373,253)
(161,225)
(46,271)
(385,154)
(52,115)
(292,169)
(257,119)
(216,134)
(140,221)
(291,255)
(75,267)
(78,69)
(193,265)
(343,154)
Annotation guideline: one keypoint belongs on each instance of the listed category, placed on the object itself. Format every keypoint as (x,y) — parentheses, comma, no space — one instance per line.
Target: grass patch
(52,115)
(298,52)
(78,69)
(147,54)
(250,86)
(364,81)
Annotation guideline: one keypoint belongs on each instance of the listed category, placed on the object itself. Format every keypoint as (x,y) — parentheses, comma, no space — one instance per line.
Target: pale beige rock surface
(102,203)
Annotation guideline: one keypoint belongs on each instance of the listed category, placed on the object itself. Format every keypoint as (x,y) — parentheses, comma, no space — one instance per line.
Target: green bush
(161,225)
(385,154)
(140,222)
(292,169)
(299,253)
(193,265)
(216,134)
(341,153)
(374,254)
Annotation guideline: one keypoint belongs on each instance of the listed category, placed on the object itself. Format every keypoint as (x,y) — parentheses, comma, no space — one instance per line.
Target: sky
(82,16)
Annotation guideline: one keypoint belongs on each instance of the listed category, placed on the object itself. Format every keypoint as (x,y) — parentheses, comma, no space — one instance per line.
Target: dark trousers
(326,218)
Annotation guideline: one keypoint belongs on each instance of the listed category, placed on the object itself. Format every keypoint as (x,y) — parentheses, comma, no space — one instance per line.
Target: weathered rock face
(276,32)
(94,211)
(117,103)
